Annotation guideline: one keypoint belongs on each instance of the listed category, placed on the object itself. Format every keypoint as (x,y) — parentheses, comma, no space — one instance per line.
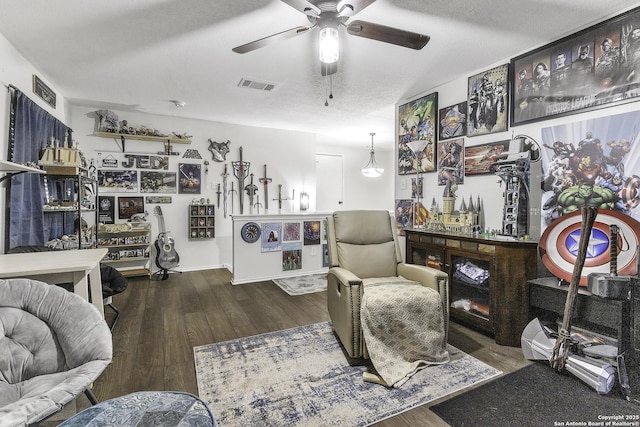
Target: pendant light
(372,170)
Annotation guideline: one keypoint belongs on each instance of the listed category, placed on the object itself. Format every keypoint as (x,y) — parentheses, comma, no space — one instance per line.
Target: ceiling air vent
(252,84)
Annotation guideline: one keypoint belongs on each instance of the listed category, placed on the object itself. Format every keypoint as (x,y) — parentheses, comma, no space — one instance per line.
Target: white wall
(290,159)
(361,192)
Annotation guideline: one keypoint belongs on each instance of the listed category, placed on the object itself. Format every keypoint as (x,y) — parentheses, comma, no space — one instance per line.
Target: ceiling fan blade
(257,44)
(387,34)
(328,69)
(304,6)
(351,7)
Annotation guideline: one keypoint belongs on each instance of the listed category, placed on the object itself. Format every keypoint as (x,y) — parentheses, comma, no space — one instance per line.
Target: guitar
(166,255)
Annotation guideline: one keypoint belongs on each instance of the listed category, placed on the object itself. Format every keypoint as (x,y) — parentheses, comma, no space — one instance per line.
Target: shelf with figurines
(11,168)
(109,126)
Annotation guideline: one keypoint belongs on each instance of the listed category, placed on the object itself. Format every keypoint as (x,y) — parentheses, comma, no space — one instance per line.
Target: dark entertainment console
(487,278)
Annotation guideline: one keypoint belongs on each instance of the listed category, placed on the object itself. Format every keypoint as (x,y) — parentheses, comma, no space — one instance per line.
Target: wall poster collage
(290,237)
(584,162)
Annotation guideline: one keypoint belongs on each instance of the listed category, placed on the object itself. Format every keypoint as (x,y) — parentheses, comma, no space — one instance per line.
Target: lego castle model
(56,155)
(465,220)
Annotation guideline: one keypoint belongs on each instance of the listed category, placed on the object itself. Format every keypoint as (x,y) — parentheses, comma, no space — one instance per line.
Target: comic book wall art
(479,158)
(592,162)
(451,162)
(452,121)
(417,129)
(404,215)
(590,69)
(487,101)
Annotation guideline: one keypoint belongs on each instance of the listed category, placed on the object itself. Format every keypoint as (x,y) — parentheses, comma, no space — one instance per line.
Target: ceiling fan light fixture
(329,45)
(372,170)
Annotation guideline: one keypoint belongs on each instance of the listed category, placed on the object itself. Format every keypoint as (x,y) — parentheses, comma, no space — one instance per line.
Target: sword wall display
(280,199)
(225,175)
(218,192)
(251,190)
(231,192)
(241,171)
(265,181)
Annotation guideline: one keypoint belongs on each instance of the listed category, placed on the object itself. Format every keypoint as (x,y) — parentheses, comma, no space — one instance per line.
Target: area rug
(300,377)
(536,396)
(300,285)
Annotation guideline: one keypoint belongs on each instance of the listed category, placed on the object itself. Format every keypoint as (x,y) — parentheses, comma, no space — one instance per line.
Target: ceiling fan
(328,16)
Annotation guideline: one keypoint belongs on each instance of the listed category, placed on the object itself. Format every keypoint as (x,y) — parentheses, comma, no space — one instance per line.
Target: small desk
(80,267)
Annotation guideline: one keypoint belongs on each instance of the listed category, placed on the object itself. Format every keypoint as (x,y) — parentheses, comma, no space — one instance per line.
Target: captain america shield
(559,245)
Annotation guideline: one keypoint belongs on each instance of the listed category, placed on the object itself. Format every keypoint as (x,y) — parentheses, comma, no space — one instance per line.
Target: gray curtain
(31,129)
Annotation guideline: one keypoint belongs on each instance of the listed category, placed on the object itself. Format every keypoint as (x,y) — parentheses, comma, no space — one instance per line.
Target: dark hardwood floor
(162,320)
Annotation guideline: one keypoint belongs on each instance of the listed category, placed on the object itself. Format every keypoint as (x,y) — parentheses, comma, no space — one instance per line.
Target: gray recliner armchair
(363,249)
(53,345)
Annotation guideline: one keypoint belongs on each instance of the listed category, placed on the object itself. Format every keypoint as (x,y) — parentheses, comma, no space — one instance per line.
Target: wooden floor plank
(162,320)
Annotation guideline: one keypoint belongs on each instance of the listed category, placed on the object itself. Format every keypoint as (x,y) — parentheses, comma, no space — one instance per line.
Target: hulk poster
(591,163)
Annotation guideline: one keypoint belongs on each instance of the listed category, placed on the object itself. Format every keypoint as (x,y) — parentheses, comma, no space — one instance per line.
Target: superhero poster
(593,163)
(417,131)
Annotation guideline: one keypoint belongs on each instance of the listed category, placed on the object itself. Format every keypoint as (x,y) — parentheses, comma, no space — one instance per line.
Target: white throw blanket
(403,328)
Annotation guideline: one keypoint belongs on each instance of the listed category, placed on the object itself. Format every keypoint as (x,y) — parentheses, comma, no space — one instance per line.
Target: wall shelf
(202,221)
(124,136)
(11,168)
(128,248)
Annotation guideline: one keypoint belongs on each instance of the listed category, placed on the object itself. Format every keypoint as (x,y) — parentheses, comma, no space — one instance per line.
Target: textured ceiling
(139,55)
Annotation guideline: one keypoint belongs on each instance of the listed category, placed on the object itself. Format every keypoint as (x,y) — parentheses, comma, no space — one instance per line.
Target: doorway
(329,182)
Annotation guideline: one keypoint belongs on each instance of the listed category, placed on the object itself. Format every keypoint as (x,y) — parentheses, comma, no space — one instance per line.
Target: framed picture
(129,206)
(291,256)
(157,182)
(488,101)
(404,215)
(478,159)
(311,232)
(451,162)
(590,69)
(290,231)
(189,178)
(117,181)
(106,209)
(452,121)
(417,135)
(271,237)
(420,214)
(417,188)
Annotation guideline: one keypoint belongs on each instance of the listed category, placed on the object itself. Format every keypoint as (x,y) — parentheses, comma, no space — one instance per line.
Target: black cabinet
(603,316)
